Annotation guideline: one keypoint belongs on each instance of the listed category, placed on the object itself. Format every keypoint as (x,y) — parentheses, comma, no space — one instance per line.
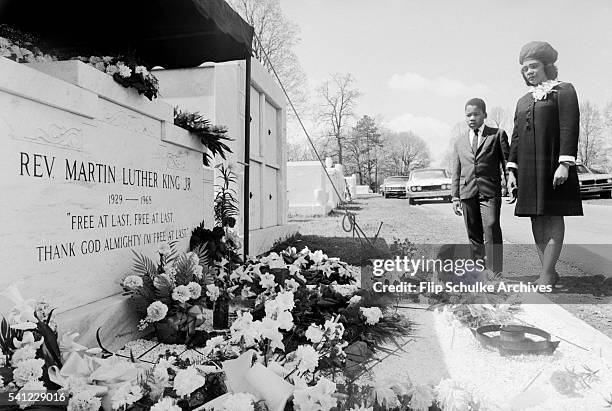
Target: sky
(416,63)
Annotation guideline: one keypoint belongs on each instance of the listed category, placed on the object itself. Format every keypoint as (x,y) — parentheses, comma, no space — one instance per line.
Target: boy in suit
(476,188)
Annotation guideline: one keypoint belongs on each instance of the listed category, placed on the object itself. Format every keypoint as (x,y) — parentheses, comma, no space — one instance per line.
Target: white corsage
(542,90)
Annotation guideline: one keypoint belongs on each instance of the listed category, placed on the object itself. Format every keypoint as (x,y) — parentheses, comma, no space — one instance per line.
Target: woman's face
(534,72)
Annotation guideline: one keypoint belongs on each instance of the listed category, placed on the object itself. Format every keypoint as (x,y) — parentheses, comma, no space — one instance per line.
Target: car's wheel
(411,201)
(606,194)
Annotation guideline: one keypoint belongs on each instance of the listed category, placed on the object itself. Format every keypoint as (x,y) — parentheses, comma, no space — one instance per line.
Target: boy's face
(474,117)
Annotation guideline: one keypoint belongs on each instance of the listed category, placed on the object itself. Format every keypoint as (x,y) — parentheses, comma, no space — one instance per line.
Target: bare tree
(404,152)
(299,152)
(338,98)
(499,117)
(275,36)
(592,145)
(459,130)
(362,148)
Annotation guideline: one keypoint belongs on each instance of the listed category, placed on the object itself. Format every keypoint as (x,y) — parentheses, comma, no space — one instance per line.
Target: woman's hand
(560,175)
(511,182)
(512,187)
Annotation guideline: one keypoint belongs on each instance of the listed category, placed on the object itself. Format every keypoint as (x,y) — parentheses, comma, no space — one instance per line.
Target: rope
(350,217)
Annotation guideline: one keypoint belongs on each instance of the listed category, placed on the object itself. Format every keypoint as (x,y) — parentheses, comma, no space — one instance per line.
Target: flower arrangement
(170,296)
(127,72)
(24,53)
(542,90)
(28,346)
(268,274)
(21,47)
(212,137)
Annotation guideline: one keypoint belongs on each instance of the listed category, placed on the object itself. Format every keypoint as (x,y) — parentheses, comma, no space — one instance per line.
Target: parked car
(428,183)
(594,183)
(394,186)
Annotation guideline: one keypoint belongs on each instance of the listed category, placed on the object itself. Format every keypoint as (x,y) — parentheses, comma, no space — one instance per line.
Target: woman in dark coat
(543,154)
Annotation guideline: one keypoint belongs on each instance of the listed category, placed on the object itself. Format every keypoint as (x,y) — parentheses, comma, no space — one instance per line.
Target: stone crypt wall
(90,171)
(309,191)
(217,92)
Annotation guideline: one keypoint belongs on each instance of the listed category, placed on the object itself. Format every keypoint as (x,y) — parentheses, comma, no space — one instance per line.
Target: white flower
(100,66)
(132,281)
(212,343)
(157,311)
(541,91)
(421,398)
(23,354)
(334,329)
(4,42)
(452,396)
(267,280)
(125,395)
(314,333)
(285,300)
(212,292)
(124,71)
(317,398)
(84,401)
(355,300)
(240,401)
(318,256)
(141,70)
(165,404)
(372,314)
(197,271)
(243,328)
(269,329)
(361,408)
(1,379)
(33,385)
(164,248)
(195,290)
(308,358)
(28,370)
(285,320)
(27,340)
(291,285)
(385,396)
(345,289)
(181,293)
(187,381)
(111,69)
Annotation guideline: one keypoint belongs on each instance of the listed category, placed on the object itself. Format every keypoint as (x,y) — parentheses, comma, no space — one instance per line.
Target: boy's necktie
(475,141)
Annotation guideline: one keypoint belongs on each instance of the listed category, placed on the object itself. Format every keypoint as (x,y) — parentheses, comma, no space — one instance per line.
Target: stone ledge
(27,81)
(309,210)
(263,239)
(89,78)
(181,137)
(114,315)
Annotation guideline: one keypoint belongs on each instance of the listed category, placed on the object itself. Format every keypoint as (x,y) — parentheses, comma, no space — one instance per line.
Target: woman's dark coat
(544,130)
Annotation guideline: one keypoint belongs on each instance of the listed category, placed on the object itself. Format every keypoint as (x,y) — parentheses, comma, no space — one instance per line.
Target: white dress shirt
(471,135)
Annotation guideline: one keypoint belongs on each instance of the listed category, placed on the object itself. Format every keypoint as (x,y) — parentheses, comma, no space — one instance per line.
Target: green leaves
(211,137)
(163,289)
(143,265)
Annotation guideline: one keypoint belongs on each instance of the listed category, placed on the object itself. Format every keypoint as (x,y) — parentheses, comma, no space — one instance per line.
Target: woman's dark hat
(539,50)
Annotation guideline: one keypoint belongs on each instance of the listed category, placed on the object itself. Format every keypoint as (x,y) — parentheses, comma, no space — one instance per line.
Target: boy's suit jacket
(480,172)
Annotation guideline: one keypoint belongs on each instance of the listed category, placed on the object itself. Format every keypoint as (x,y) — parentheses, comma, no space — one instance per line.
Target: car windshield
(427,174)
(582,169)
(401,179)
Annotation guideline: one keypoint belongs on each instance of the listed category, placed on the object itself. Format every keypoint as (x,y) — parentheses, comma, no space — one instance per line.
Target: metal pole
(247,156)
